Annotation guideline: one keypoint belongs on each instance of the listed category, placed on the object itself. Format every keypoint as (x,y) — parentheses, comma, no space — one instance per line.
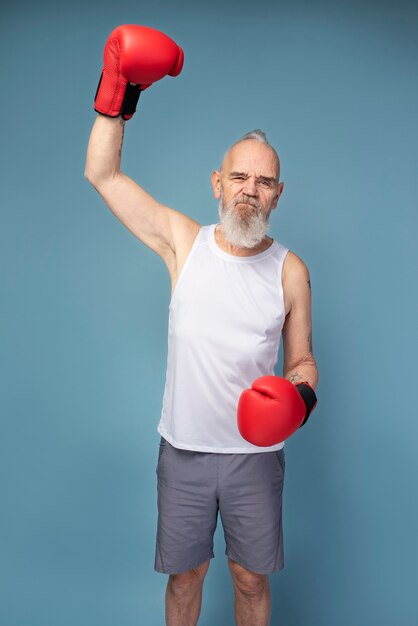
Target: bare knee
(246,582)
(189,582)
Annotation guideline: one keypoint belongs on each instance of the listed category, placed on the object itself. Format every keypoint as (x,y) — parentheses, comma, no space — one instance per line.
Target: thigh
(250,505)
(187,509)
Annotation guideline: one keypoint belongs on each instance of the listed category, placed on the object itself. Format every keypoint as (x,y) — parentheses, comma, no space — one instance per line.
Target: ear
(216,183)
(278,194)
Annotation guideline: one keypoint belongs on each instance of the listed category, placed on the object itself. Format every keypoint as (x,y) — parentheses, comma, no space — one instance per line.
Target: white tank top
(225,321)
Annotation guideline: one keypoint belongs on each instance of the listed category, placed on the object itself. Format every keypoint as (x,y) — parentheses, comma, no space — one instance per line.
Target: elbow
(90,176)
(94,179)
(98,179)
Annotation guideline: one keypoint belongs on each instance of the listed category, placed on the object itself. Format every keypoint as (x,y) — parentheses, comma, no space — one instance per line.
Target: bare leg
(252,596)
(183,598)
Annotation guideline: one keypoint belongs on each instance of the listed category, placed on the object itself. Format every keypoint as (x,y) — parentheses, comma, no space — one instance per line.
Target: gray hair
(258,135)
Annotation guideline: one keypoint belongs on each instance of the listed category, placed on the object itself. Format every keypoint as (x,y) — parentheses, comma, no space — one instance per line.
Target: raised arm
(134,58)
(146,218)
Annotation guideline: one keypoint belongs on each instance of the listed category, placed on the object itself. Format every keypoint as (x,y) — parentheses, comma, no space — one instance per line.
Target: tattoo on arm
(122,123)
(296,377)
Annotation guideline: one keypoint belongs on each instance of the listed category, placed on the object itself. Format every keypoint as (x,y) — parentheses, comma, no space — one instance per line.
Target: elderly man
(235,292)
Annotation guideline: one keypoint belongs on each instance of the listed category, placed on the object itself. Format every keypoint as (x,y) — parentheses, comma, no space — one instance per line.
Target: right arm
(152,223)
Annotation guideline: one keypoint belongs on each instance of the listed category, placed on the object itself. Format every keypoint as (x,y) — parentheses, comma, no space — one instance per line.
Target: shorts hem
(183,568)
(256,570)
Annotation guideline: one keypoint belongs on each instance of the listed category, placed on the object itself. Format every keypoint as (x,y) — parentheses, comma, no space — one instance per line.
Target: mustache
(247,200)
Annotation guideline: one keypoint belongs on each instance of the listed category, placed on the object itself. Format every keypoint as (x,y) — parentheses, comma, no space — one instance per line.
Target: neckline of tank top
(232,257)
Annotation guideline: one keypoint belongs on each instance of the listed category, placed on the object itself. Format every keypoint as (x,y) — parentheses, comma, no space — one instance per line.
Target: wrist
(308,396)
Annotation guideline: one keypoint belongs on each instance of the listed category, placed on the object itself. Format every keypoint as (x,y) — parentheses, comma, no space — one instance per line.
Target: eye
(265,183)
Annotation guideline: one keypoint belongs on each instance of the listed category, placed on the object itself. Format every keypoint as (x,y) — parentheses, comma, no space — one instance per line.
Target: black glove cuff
(309,398)
(130,100)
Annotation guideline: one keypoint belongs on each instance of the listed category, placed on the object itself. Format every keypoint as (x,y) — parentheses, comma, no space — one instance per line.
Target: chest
(176,265)
(227,307)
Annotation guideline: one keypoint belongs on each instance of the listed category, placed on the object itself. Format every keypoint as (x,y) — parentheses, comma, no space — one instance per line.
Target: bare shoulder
(295,280)
(294,268)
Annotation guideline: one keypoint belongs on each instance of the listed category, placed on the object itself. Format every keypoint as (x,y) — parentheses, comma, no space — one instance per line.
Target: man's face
(248,190)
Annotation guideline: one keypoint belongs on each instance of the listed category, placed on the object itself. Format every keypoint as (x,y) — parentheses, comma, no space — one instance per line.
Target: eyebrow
(269,178)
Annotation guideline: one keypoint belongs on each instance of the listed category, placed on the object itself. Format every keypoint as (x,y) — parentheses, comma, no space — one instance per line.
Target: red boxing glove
(134,54)
(273,409)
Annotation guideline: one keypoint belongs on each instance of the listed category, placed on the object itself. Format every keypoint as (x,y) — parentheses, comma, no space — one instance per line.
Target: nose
(250,187)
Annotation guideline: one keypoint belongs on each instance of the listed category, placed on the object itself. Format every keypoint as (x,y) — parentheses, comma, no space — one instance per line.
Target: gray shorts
(247,491)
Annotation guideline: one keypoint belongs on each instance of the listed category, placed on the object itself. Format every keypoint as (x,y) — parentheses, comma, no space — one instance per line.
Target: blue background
(84,305)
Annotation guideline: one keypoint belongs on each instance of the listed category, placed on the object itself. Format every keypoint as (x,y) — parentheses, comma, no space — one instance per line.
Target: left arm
(298,360)
(275,407)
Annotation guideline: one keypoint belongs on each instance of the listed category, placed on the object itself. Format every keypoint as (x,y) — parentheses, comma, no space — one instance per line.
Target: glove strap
(130,100)
(309,398)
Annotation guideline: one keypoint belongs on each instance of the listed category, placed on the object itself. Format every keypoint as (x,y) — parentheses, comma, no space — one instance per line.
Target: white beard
(244,227)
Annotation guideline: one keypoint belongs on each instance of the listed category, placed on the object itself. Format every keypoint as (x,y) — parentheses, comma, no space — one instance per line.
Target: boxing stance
(234,293)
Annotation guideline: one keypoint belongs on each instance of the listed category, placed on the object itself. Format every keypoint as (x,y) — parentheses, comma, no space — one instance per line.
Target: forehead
(251,156)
